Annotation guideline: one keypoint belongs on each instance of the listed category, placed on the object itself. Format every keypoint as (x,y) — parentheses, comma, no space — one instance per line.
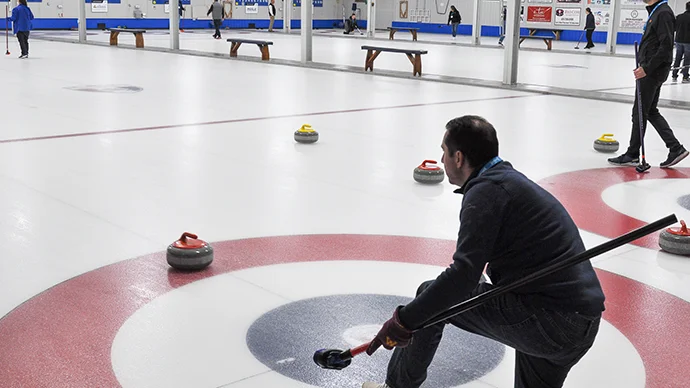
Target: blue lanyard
(496,160)
(652,13)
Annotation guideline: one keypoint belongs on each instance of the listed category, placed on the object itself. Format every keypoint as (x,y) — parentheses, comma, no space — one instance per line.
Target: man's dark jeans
(650,88)
(547,343)
(682,54)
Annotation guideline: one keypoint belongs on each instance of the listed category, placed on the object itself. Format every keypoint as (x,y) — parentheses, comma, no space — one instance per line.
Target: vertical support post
(512,46)
(306,30)
(371,18)
(612,32)
(287,16)
(476,24)
(174,25)
(82,21)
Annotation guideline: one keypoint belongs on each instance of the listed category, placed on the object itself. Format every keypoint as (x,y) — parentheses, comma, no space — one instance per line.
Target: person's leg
(590,44)
(679,56)
(649,90)
(560,338)
(454,28)
(21,37)
(686,61)
(270,24)
(219,23)
(661,125)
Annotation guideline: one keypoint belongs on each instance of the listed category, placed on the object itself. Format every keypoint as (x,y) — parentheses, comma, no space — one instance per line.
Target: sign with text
(251,8)
(537,14)
(567,17)
(633,18)
(99,6)
(599,2)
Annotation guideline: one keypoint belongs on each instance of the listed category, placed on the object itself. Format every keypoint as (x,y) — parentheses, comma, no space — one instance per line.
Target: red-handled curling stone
(676,240)
(428,174)
(189,253)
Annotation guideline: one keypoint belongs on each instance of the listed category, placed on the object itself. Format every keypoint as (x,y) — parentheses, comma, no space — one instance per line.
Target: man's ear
(459,159)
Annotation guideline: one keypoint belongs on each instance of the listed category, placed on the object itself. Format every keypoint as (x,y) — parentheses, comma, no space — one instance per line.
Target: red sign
(539,14)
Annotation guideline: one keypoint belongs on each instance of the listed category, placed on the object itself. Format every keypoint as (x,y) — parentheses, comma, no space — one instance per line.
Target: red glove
(392,334)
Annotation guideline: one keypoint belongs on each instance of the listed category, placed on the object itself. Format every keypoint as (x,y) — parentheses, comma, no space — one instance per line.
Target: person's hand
(639,73)
(392,334)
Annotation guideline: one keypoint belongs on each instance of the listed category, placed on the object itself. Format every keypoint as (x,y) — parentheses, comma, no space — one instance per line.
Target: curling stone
(676,240)
(428,174)
(306,135)
(606,143)
(189,253)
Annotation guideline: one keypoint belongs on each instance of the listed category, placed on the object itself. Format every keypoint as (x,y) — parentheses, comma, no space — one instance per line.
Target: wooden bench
(138,35)
(393,30)
(262,44)
(547,39)
(415,57)
(556,33)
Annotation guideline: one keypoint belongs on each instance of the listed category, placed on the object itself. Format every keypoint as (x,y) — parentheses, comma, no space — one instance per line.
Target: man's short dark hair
(474,137)
(687,6)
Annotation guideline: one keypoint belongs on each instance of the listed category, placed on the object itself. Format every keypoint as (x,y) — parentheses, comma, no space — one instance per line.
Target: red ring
(62,337)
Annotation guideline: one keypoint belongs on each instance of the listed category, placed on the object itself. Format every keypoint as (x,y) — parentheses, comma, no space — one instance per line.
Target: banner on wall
(569,1)
(567,17)
(599,2)
(541,1)
(633,18)
(99,6)
(601,17)
(539,14)
(251,8)
(632,2)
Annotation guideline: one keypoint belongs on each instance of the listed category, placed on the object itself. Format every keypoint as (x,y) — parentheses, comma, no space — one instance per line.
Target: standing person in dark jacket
(590,26)
(271,15)
(21,26)
(454,19)
(682,43)
(656,54)
(216,12)
(517,227)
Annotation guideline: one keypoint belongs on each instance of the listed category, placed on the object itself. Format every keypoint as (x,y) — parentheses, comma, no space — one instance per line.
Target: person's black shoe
(675,158)
(624,160)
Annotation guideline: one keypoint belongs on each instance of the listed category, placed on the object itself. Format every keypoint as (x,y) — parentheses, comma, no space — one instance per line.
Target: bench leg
(521,40)
(113,37)
(548,44)
(139,39)
(416,62)
(264,52)
(234,47)
(371,56)
(414,35)
(390,34)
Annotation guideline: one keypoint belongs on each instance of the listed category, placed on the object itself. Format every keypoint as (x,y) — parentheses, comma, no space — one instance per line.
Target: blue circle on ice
(285,339)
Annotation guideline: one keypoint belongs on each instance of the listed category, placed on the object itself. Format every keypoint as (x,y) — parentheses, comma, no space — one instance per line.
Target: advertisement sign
(99,6)
(602,17)
(632,2)
(569,1)
(537,14)
(599,2)
(251,8)
(633,18)
(541,1)
(567,17)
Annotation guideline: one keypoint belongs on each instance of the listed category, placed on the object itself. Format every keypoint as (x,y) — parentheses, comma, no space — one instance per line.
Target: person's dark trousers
(454,28)
(589,38)
(682,50)
(23,38)
(547,343)
(650,88)
(217,23)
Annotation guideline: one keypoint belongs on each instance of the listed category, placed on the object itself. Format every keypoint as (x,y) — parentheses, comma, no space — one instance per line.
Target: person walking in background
(682,44)
(216,12)
(590,26)
(271,15)
(21,26)
(454,19)
(655,53)
(180,9)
